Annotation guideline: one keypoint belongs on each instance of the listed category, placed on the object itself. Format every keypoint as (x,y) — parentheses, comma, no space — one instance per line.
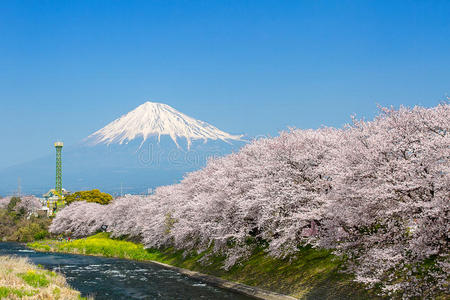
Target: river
(111,278)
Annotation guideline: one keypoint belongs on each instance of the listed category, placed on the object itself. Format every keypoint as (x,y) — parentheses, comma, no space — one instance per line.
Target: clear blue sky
(67,68)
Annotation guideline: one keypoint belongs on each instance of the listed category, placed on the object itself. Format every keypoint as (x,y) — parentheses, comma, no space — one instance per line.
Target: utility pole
(121,189)
(18,187)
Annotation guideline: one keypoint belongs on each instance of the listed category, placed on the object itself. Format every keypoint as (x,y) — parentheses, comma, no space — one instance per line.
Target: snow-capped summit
(156,119)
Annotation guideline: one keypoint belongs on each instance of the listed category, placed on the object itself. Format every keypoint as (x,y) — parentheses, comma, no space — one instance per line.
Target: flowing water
(110,278)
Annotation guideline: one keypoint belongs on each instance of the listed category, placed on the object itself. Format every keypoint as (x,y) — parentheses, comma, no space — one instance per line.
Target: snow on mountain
(157,119)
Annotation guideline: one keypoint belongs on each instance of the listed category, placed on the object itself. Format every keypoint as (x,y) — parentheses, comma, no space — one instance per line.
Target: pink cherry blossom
(375,191)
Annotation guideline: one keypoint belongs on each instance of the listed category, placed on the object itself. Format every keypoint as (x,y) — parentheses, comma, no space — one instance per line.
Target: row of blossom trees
(377,192)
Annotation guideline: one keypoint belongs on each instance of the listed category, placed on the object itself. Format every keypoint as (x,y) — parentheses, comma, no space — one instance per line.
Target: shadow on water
(110,278)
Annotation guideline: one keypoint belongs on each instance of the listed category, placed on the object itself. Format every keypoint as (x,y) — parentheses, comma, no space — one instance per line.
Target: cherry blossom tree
(376,192)
(79,219)
(271,191)
(29,203)
(121,216)
(389,211)
(4,201)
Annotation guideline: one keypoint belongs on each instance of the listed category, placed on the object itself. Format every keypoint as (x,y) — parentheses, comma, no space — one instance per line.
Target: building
(52,198)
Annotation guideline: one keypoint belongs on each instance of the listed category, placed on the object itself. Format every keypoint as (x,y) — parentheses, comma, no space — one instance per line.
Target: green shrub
(89,196)
(14,226)
(12,203)
(29,230)
(7,224)
(41,235)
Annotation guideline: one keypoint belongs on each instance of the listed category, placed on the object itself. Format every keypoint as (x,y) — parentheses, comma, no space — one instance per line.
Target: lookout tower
(58,186)
(55,197)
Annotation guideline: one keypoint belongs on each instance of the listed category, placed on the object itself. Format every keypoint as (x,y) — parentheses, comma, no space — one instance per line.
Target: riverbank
(311,274)
(20,279)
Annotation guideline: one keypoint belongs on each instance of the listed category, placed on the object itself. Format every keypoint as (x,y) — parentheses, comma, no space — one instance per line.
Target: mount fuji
(158,119)
(152,145)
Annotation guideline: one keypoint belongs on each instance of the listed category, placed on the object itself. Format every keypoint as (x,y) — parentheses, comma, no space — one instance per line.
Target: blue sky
(67,68)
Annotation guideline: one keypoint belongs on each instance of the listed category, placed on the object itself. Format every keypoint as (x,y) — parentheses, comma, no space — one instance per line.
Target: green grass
(34,279)
(7,292)
(310,274)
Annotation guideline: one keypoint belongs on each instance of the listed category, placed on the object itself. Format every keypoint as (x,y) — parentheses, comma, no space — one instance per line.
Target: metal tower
(58,187)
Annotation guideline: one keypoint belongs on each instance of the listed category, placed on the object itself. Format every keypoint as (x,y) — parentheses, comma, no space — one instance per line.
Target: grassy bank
(20,279)
(310,274)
